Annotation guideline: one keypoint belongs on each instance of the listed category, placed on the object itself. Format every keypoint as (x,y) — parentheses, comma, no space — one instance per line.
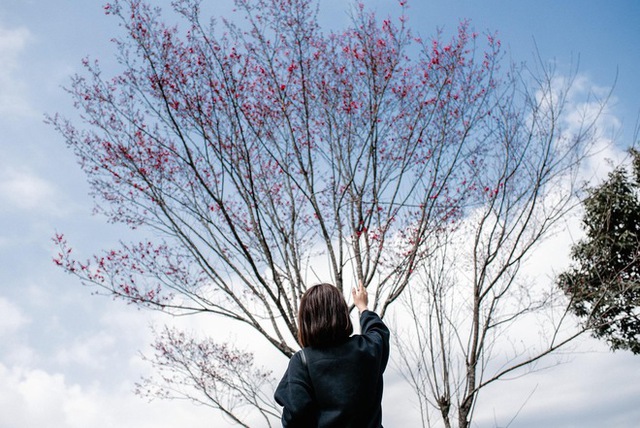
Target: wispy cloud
(588,109)
(13,89)
(23,190)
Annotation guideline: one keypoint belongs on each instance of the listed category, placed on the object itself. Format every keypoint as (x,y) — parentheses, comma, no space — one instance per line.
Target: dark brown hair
(323,317)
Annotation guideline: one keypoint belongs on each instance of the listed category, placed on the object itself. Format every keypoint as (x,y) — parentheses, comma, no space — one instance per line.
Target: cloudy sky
(69,359)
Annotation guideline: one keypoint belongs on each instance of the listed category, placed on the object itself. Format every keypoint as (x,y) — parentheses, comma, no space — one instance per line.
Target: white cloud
(23,190)
(593,389)
(12,318)
(91,352)
(33,398)
(589,105)
(12,87)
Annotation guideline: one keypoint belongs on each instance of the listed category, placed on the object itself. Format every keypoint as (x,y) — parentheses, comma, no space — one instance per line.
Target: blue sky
(69,359)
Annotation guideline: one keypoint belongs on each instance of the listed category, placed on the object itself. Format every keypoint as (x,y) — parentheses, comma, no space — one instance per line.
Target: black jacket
(339,386)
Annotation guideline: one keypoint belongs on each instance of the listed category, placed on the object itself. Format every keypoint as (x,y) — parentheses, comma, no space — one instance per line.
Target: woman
(336,379)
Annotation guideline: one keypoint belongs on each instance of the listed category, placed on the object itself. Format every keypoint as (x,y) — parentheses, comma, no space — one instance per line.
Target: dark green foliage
(604,282)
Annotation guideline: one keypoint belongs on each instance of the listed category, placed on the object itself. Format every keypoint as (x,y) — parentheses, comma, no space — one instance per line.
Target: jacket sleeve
(376,332)
(295,394)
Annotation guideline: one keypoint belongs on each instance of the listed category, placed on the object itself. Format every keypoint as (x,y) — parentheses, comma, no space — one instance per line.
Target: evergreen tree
(604,282)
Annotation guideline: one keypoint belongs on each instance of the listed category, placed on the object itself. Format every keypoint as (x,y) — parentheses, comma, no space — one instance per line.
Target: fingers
(360,296)
(358,291)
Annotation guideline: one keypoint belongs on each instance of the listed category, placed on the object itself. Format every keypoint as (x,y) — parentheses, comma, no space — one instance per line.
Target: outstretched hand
(360,297)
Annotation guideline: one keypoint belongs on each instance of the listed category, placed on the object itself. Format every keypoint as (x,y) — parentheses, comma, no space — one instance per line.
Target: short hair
(323,317)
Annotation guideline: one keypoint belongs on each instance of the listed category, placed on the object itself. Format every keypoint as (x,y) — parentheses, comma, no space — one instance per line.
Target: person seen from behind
(335,381)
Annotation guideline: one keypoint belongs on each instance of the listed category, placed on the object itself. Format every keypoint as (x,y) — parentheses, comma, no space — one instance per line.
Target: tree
(260,154)
(471,300)
(604,281)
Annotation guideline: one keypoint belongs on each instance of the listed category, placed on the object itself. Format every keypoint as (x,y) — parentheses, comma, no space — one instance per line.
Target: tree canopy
(604,281)
(256,152)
